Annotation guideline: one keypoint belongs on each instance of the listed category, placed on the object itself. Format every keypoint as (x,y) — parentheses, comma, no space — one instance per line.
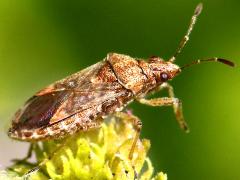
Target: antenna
(224,61)
(190,28)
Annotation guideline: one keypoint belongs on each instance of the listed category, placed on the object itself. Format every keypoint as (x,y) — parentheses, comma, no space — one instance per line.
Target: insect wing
(38,110)
(52,105)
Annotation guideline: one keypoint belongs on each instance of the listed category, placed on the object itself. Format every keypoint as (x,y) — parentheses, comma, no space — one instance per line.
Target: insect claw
(135,173)
(185,128)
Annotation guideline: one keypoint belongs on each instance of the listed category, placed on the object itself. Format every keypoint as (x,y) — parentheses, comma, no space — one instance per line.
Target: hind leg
(29,155)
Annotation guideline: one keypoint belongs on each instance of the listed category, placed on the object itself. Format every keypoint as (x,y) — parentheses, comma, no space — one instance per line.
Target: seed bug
(81,101)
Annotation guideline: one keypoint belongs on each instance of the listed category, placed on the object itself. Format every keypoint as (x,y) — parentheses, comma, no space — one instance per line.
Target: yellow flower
(97,154)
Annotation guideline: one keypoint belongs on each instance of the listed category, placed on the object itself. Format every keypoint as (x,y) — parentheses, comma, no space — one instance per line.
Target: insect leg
(137,124)
(29,155)
(41,164)
(168,101)
(186,36)
(52,154)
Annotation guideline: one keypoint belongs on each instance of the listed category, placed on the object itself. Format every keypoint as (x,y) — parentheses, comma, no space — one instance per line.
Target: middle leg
(137,125)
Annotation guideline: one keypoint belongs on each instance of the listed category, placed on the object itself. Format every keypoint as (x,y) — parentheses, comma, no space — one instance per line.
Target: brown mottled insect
(80,101)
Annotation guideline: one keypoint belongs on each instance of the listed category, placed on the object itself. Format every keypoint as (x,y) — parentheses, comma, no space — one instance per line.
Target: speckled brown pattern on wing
(85,96)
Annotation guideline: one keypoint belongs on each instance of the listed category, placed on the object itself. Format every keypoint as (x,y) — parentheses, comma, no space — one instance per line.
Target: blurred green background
(43,41)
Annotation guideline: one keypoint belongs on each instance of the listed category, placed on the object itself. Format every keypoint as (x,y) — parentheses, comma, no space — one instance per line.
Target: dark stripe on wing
(40,109)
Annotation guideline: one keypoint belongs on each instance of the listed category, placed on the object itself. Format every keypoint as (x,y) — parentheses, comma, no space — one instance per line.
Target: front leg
(168,101)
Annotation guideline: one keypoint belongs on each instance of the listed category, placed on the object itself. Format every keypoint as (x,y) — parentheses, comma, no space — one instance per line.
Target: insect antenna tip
(198,9)
(227,62)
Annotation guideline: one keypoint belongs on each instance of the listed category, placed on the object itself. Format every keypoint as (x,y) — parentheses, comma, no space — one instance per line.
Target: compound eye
(164,77)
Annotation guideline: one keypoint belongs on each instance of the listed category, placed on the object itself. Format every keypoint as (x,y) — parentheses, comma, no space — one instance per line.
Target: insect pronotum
(80,101)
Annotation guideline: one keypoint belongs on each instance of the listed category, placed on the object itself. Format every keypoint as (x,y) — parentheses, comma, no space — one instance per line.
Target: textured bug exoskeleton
(81,101)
